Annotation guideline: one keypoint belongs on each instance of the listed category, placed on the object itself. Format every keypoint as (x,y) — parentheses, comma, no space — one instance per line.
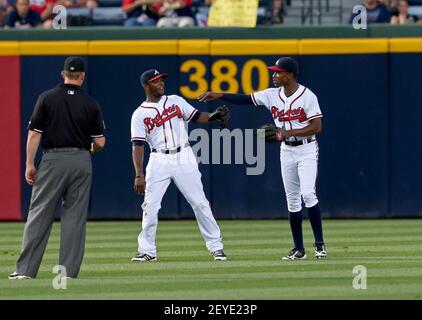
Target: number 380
(223,71)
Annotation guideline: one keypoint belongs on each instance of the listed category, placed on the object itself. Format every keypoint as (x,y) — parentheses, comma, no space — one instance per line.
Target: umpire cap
(286,64)
(151,75)
(74,64)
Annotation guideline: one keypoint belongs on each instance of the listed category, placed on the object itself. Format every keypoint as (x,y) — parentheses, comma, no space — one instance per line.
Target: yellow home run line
(212,47)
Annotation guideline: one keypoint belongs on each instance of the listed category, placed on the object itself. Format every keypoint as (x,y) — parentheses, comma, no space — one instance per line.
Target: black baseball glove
(222,115)
(272,133)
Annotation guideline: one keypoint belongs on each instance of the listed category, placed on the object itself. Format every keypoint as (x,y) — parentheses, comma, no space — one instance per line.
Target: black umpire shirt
(67,117)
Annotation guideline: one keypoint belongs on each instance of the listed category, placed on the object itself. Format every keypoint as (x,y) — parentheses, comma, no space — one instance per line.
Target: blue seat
(108,16)
(84,12)
(77,17)
(415,11)
(109,3)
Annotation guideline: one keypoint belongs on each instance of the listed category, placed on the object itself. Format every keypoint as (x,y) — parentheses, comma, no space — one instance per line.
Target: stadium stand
(113,16)
(293,12)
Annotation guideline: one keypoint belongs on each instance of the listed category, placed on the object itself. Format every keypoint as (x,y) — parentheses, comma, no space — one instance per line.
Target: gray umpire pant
(63,178)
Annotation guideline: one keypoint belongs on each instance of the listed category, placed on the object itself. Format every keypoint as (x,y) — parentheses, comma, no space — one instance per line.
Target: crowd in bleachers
(390,11)
(129,13)
(173,13)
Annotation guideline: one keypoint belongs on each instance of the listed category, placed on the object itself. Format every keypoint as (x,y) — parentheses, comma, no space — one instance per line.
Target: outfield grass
(391,250)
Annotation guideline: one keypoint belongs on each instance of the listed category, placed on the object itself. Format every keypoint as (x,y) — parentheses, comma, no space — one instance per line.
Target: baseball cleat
(17,276)
(144,257)
(219,255)
(320,251)
(295,254)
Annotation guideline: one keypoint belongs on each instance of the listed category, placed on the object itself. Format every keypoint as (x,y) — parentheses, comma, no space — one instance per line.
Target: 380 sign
(223,77)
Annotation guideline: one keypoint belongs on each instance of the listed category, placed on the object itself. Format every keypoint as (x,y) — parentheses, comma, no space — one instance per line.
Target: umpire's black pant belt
(299,143)
(63,149)
(171,151)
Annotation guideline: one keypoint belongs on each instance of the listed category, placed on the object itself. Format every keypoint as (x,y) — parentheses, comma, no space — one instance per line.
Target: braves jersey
(162,124)
(293,112)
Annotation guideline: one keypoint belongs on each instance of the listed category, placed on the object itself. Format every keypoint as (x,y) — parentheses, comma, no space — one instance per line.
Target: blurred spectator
(201,16)
(175,13)
(3,11)
(23,17)
(277,17)
(389,3)
(140,13)
(90,4)
(401,14)
(376,12)
(45,9)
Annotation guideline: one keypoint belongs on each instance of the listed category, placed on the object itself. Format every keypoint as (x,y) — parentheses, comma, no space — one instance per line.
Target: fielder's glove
(222,115)
(273,133)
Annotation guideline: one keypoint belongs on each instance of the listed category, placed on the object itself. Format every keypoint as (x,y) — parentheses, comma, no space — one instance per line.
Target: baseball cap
(151,75)
(285,64)
(74,64)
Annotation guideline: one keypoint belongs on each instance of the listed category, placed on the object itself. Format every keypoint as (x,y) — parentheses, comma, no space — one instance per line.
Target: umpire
(69,125)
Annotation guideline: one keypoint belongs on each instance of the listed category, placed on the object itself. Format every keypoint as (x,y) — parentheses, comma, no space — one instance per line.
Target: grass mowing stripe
(388,248)
(291,291)
(180,267)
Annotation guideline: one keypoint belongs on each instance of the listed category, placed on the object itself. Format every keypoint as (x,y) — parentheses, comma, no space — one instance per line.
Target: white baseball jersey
(293,112)
(162,124)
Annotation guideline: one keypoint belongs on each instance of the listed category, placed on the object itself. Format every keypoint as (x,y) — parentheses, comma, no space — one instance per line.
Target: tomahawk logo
(156,72)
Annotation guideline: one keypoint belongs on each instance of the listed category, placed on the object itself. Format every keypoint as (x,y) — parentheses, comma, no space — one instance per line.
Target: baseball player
(297,117)
(161,121)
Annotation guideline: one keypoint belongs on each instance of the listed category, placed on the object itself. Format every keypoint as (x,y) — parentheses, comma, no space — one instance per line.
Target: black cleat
(219,255)
(320,251)
(144,257)
(295,254)
(17,276)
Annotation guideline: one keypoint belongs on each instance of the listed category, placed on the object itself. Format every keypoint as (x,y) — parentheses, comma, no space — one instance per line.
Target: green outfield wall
(269,32)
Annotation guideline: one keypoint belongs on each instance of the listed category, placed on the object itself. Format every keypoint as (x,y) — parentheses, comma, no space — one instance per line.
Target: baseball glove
(273,133)
(222,115)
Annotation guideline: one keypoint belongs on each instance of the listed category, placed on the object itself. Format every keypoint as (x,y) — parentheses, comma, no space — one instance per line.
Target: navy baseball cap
(74,64)
(151,75)
(286,64)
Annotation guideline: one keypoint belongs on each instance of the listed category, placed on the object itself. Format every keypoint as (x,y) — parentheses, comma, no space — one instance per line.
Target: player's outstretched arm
(221,115)
(209,96)
(203,118)
(229,97)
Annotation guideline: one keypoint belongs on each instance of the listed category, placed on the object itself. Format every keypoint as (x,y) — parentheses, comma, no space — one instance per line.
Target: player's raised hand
(139,185)
(209,96)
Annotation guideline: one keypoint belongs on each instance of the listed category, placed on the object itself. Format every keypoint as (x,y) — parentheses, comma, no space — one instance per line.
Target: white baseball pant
(182,168)
(299,169)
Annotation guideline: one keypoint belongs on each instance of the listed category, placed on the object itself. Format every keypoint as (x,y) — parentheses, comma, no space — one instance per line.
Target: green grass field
(391,250)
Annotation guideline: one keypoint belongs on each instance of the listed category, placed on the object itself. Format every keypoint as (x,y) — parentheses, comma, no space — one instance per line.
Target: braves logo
(167,114)
(288,115)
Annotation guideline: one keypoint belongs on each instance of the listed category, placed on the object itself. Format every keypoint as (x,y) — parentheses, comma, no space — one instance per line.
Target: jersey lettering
(289,114)
(167,114)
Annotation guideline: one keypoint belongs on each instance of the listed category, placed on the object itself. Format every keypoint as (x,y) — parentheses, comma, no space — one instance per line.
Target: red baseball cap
(285,64)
